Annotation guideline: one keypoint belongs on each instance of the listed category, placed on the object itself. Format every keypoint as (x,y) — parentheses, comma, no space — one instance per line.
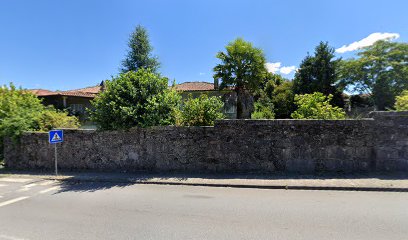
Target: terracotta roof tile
(195,86)
(88,92)
(41,92)
(77,94)
(73,93)
(93,90)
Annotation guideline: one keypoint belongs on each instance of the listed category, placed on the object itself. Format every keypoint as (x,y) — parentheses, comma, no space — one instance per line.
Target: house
(74,101)
(195,89)
(78,100)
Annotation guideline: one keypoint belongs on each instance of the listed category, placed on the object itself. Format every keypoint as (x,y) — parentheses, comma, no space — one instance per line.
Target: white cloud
(277,68)
(201,74)
(273,67)
(287,70)
(368,41)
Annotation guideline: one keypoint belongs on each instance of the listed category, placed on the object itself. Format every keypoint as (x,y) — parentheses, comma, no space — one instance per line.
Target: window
(229,108)
(76,108)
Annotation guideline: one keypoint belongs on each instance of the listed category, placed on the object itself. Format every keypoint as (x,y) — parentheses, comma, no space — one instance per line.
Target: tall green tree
(380,70)
(271,82)
(140,52)
(135,99)
(242,68)
(319,73)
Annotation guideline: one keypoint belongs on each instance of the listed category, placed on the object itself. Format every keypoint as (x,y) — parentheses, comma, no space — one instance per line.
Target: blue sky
(70,44)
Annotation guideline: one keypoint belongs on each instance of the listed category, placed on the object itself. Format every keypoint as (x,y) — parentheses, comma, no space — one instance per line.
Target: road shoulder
(345,182)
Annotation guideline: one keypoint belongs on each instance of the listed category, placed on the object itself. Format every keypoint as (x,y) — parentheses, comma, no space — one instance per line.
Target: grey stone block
(264,146)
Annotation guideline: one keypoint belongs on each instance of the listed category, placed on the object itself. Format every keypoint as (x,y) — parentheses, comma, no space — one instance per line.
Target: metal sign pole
(56,162)
(54,137)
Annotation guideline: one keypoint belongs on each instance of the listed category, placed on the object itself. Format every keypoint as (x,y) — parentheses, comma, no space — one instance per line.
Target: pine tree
(140,52)
(318,73)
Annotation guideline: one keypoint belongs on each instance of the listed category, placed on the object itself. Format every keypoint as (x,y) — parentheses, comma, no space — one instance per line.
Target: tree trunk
(245,104)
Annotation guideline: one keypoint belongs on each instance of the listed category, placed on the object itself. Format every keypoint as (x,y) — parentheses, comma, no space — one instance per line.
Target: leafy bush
(22,111)
(19,111)
(263,111)
(51,118)
(133,99)
(277,96)
(316,106)
(200,111)
(401,102)
(264,108)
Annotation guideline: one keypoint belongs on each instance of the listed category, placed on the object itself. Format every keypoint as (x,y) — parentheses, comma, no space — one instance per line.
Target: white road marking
(27,187)
(23,190)
(30,185)
(5,237)
(49,189)
(2,204)
(45,183)
(3,185)
(15,180)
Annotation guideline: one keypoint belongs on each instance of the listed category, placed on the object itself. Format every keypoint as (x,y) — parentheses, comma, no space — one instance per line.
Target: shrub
(51,118)
(19,111)
(283,100)
(200,111)
(22,111)
(278,92)
(401,102)
(264,108)
(316,106)
(133,99)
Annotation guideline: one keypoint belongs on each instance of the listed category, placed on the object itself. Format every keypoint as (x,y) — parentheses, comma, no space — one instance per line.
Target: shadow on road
(102,181)
(79,186)
(96,181)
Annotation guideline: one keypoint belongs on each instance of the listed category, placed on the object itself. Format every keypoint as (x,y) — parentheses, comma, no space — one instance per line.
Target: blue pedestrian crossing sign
(56,136)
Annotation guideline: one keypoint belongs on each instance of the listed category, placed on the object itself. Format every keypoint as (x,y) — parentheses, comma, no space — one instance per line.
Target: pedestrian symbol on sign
(56,136)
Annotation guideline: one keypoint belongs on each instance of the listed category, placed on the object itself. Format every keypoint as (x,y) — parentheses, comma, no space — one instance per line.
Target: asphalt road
(34,209)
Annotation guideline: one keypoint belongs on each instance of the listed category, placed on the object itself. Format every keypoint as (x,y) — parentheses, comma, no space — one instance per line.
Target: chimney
(102,85)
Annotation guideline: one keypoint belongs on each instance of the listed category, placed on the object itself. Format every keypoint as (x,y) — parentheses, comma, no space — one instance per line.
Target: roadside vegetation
(379,74)
(139,96)
(316,106)
(319,73)
(263,108)
(139,54)
(380,71)
(22,111)
(242,69)
(202,111)
(401,103)
(135,99)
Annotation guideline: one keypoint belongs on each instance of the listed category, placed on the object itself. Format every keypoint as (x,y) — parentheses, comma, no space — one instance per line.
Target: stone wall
(379,143)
